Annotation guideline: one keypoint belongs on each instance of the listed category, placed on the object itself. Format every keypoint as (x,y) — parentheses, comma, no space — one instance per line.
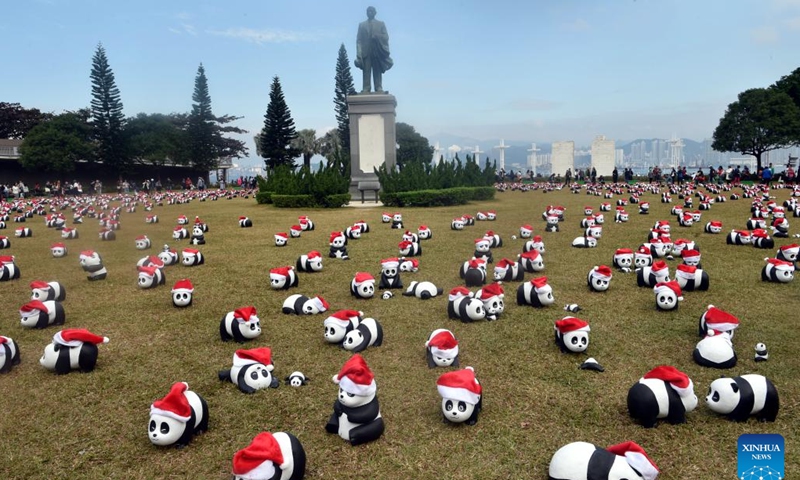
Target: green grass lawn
(535,398)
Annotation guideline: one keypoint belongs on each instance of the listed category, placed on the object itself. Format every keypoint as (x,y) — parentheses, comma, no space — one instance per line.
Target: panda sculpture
(599,278)
(410,236)
(150,277)
(713,227)
(738,237)
(525,231)
(296,379)
(552,223)
(251,370)
(461,396)
(536,243)
(691,278)
(168,256)
(582,461)
(197,237)
(178,417)
(623,259)
(309,262)
(409,264)
(364,226)
(744,396)
(662,393)
(191,257)
(180,233)
(780,228)
(9,354)
(409,249)
(462,305)
(757,222)
(340,323)
(572,335)
(305,223)
(5,242)
(473,272)
(717,320)
(72,349)
(691,257)
(390,274)
(777,271)
(41,314)
(338,246)
(494,239)
(352,232)
(151,219)
(643,257)
(508,271)
(397,221)
(588,222)
(92,264)
(278,456)
(362,285)
(788,253)
(70,233)
(356,415)
(584,242)
(650,276)
(182,220)
(530,261)
(245,222)
(441,349)
(44,291)
(281,239)
(536,293)
(668,295)
(241,325)
(301,305)
(422,290)
(182,293)
(295,231)
(715,351)
(142,242)
(457,224)
(761,239)
(492,296)
(368,333)
(23,232)
(283,278)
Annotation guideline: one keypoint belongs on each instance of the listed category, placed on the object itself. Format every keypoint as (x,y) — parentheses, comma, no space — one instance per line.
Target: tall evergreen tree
(107,118)
(202,136)
(278,132)
(344,87)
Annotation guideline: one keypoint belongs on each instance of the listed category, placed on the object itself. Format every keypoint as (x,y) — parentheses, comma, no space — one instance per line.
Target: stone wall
(562,157)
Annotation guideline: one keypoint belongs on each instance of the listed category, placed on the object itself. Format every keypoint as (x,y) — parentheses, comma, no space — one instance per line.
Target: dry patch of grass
(536,399)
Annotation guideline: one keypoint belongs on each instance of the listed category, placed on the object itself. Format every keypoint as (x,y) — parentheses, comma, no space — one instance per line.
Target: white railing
(9,152)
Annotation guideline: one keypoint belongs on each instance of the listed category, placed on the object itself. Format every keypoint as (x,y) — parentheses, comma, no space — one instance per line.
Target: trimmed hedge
(294,201)
(336,200)
(437,198)
(263,197)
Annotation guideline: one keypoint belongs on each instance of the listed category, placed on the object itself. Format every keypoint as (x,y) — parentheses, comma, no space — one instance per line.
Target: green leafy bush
(263,198)
(325,188)
(417,176)
(293,201)
(437,198)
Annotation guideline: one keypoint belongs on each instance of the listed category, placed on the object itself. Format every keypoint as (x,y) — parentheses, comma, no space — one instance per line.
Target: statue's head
(371,12)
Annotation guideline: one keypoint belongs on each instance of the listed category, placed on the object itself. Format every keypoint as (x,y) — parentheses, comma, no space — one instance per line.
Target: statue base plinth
(372,137)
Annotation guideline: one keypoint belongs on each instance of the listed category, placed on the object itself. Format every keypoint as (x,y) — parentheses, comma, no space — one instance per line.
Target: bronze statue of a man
(372,51)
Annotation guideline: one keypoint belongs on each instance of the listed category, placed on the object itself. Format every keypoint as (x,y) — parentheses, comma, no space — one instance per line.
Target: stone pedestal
(372,136)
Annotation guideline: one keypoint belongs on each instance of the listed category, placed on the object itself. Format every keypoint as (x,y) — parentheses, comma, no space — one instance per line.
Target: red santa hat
(405,244)
(492,290)
(58,245)
(32,308)
(571,324)
(476,262)
(87,254)
(690,255)
(393,262)
(603,272)
(637,458)
(183,286)
(281,236)
(527,229)
(660,267)
(661,224)
(175,404)
(363,277)
(780,264)
(790,249)
(140,237)
(245,314)
(176,229)
(422,228)
(341,318)
(355,377)
(197,219)
(760,233)
(715,223)
(459,292)
(719,320)
(75,337)
(40,285)
(257,461)
(643,251)
(587,209)
(314,254)
(623,252)
(666,286)
(279,273)
(644,205)
(147,271)
(443,344)
(530,255)
(262,355)
(190,251)
(484,242)
(540,284)
(460,385)
(242,217)
(503,265)
(321,304)
(537,239)
(743,233)
(296,228)
(686,272)
(334,236)
(679,381)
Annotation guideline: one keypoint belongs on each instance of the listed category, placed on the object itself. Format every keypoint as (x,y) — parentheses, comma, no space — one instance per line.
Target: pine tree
(344,87)
(278,133)
(107,118)
(203,136)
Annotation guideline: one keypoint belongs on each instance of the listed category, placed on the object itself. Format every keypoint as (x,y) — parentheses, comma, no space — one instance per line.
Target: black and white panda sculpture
(340,323)
(643,257)
(390,274)
(38,314)
(168,256)
(305,223)
(536,243)
(302,305)
(310,262)
(92,264)
(44,291)
(281,239)
(492,296)
(584,461)
(278,456)
(180,233)
(409,249)
(483,250)
(251,370)
(245,222)
(142,242)
(713,227)
(572,334)
(107,235)
(191,257)
(462,305)
(761,239)
(584,242)
(69,233)
(150,277)
(462,396)
(72,349)
(178,417)
(691,278)
(9,354)
(494,239)
(531,261)
(623,259)
(338,246)
(409,264)
(536,293)
(650,276)
(368,333)
(715,351)
(23,232)
(741,397)
(4,242)
(356,413)
(668,295)
(599,278)
(182,293)
(662,393)
(296,379)
(397,221)
(508,271)
(241,325)
(777,271)
(283,278)
(738,237)
(8,269)
(422,290)
(788,253)
(457,224)
(552,223)
(757,222)
(362,285)
(473,272)
(441,349)
(352,232)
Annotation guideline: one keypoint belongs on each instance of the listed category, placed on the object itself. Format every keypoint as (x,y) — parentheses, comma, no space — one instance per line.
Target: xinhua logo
(760,457)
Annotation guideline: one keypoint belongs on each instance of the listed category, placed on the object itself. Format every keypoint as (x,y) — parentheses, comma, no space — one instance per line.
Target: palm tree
(308,144)
(330,144)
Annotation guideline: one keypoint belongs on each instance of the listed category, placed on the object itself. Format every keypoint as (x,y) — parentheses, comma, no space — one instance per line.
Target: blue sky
(520,70)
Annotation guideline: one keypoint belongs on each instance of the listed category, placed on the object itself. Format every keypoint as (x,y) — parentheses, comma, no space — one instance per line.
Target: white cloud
(578,25)
(764,35)
(792,23)
(260,37)
(184,28)
(183,16)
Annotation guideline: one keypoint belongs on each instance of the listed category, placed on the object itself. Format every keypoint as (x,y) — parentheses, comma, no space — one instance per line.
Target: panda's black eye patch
(164,428)
(152,425)
(448,405)
(715,397)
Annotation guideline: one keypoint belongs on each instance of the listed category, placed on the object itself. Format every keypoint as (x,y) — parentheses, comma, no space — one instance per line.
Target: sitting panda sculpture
(178,417)
(356,413)
(662,393)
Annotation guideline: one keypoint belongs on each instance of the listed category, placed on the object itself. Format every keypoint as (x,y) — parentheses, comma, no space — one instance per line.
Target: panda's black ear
(734,387)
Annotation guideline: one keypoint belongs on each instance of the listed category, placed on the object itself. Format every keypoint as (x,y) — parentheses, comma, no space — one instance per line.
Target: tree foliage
(107,119)
(16,121)
(790,85)
(344,87)
(759,121)
(413,147)
(157,139)
(56,145)
(278,132)
(308,144)
(202,138)
(427,176)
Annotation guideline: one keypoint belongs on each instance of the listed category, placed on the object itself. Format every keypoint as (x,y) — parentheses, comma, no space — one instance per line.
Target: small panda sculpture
(643,257)
(281,239)
(536,293)
(142,242)
(70,233)
(197,237)
(305,223)
(39,314)
(761,239)
(715,351)
(397,221)
(492,296)
(457,224)
(788,253)
(241,325)
(410,236)
(738,237)
(390,274)
(409,249)
(713,227)
(183,220)
(462,305)
(191,257)
(368,333)
(353,232)
(310,262)
(582,460)
(340,323)
(23,232)
(364,226)
(44,291)
(780,228)
(151,219)
(572,335)
(599,278)
(150,261)
(180,233)
(9,354)
(755,223)
(623,259)
(283,278)
(650,276)
(717,320)
(461,396)
(525,231)
(691,257)
(356,413)
(668,295)
(508,271)
(58,250)
(494,239)
(295,231)
(691,278)
(178,417)
(182,293)
(584,242)
(302,305)
(531,261)
(662,393)
(409,265)
(552,223)
(777,271)
(150,277)
(473,272)
(745,396)
(536,243)
(441,349)
(296,379)
(271,456)
(338,246)
(72,349)
(422,290)
(761,353)
(93,265)
(168,256)
(251,370)
(245,222)
(362,285)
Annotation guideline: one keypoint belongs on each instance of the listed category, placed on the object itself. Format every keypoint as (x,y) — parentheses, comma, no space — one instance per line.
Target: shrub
(263,197)
(418,176)
(437,198)
(326,187)
(336,200)
(293,201)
